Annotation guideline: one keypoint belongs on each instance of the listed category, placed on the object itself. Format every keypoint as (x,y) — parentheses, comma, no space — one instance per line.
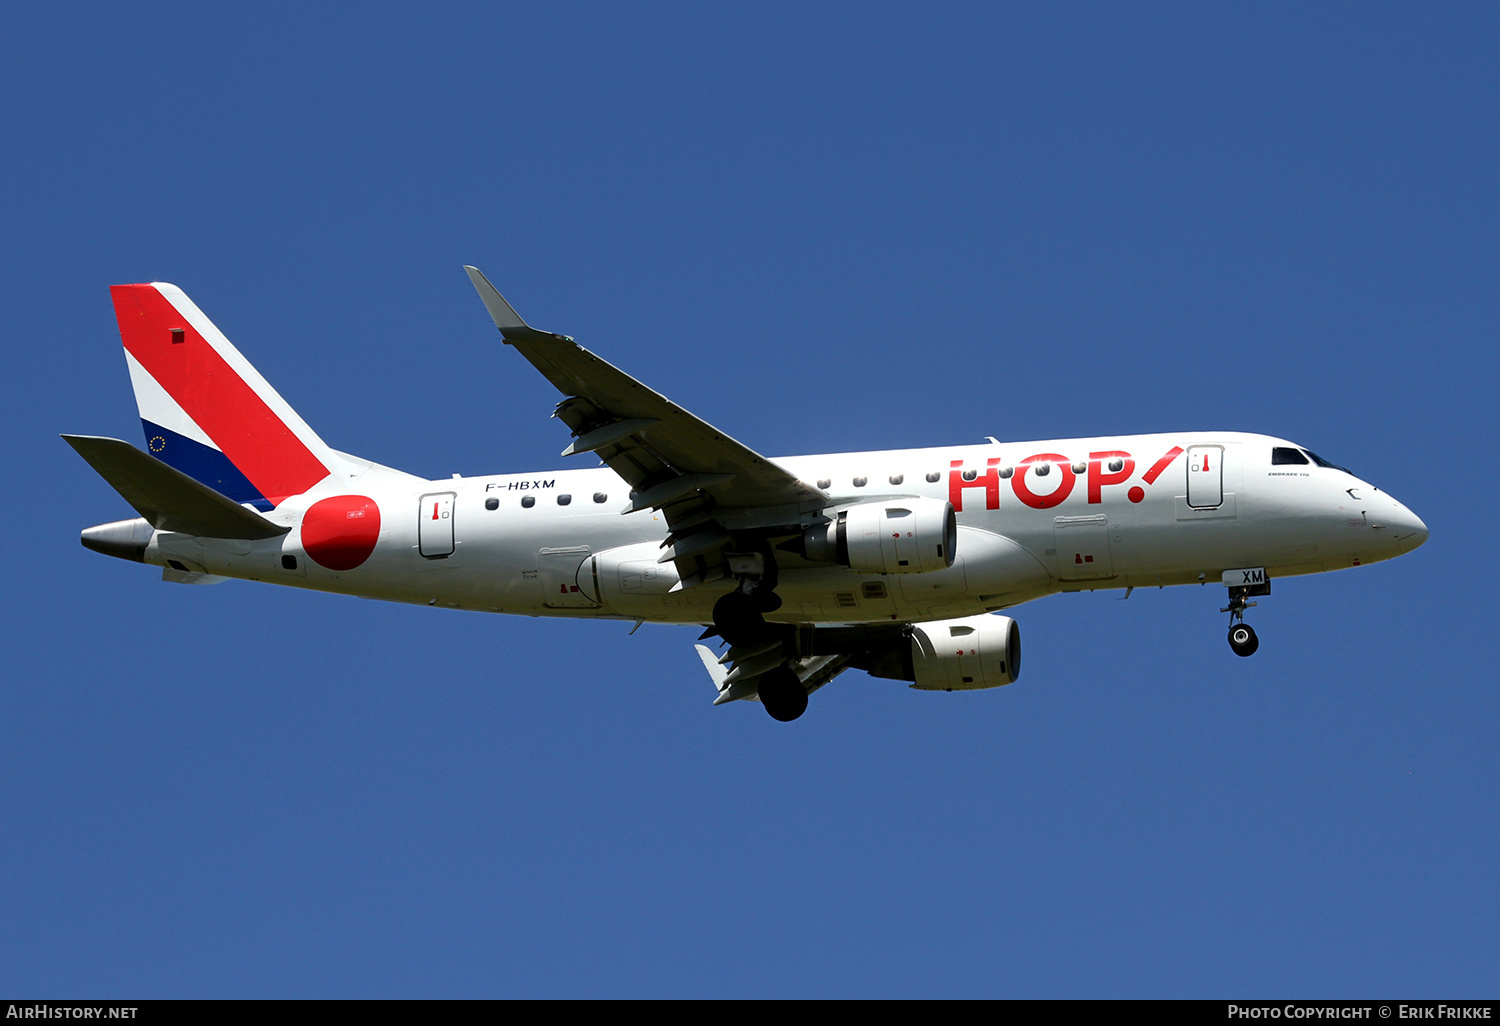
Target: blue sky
(820,227)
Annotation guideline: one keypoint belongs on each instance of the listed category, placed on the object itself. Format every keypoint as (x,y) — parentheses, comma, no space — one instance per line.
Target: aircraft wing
(703,480)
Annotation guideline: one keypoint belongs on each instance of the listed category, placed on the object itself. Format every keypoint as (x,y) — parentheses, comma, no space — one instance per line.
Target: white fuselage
(511,543)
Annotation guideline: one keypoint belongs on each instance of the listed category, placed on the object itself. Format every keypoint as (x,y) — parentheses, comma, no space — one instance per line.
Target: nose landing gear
(1242,637)
(1243,640)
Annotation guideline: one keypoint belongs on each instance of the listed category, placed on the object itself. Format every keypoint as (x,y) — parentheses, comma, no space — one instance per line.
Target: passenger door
(1205,476)
(435,525)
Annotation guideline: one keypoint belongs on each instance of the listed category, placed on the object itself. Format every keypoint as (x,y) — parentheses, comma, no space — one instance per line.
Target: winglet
(512,328)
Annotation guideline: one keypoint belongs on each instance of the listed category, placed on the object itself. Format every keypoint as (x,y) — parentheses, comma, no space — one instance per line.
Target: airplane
(896,563)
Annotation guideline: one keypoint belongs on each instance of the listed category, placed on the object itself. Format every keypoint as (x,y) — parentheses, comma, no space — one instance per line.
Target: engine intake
(905,536)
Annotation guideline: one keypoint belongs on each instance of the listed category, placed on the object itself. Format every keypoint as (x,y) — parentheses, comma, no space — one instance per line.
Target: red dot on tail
(1136,494)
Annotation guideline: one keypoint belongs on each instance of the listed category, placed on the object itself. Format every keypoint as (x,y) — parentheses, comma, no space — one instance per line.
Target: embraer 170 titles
(894,563)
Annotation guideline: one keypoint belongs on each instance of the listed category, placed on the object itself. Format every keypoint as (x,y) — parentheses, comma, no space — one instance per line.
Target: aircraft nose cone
(1408,529)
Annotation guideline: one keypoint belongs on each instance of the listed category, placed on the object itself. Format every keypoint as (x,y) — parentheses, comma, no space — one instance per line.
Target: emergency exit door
(435,525)
(1205,476)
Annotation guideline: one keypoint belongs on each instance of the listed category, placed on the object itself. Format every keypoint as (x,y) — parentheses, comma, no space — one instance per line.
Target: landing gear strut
(1242,637)
(740,619)
(740,616)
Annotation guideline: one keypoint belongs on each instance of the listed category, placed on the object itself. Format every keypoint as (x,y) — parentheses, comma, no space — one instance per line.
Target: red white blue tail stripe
(205,410)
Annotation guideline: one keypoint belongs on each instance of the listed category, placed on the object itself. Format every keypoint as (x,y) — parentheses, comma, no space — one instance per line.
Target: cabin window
(860,482)
(600,497)
(896,478)
(934,477)
(969,475)
(824,482)
(1284,456)
(1116,465)
(564,499)
(528,501)
(492,503)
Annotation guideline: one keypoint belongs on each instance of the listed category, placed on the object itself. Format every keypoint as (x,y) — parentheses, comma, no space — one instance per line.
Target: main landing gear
(740,619)
(740,616)
(782,693)
(1242,637)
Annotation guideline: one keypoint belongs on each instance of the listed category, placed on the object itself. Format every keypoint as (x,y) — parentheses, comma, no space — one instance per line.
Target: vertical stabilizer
(205,410)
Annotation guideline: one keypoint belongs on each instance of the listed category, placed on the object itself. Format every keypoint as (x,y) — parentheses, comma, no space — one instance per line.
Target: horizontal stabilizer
(168,498)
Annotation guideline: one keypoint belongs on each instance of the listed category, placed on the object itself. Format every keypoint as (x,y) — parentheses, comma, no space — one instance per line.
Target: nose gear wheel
(1242,639)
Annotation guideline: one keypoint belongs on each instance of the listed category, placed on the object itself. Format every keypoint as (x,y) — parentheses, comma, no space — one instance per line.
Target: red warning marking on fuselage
(1162,464)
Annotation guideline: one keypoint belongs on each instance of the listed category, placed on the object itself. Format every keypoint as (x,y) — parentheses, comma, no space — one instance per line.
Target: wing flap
(738,680)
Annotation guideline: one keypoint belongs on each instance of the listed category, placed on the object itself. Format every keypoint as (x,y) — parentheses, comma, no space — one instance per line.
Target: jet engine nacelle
(902,536)
(969,653)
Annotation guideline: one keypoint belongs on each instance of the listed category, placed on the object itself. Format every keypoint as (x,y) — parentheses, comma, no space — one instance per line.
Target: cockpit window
(1282,456)
(1320,461)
